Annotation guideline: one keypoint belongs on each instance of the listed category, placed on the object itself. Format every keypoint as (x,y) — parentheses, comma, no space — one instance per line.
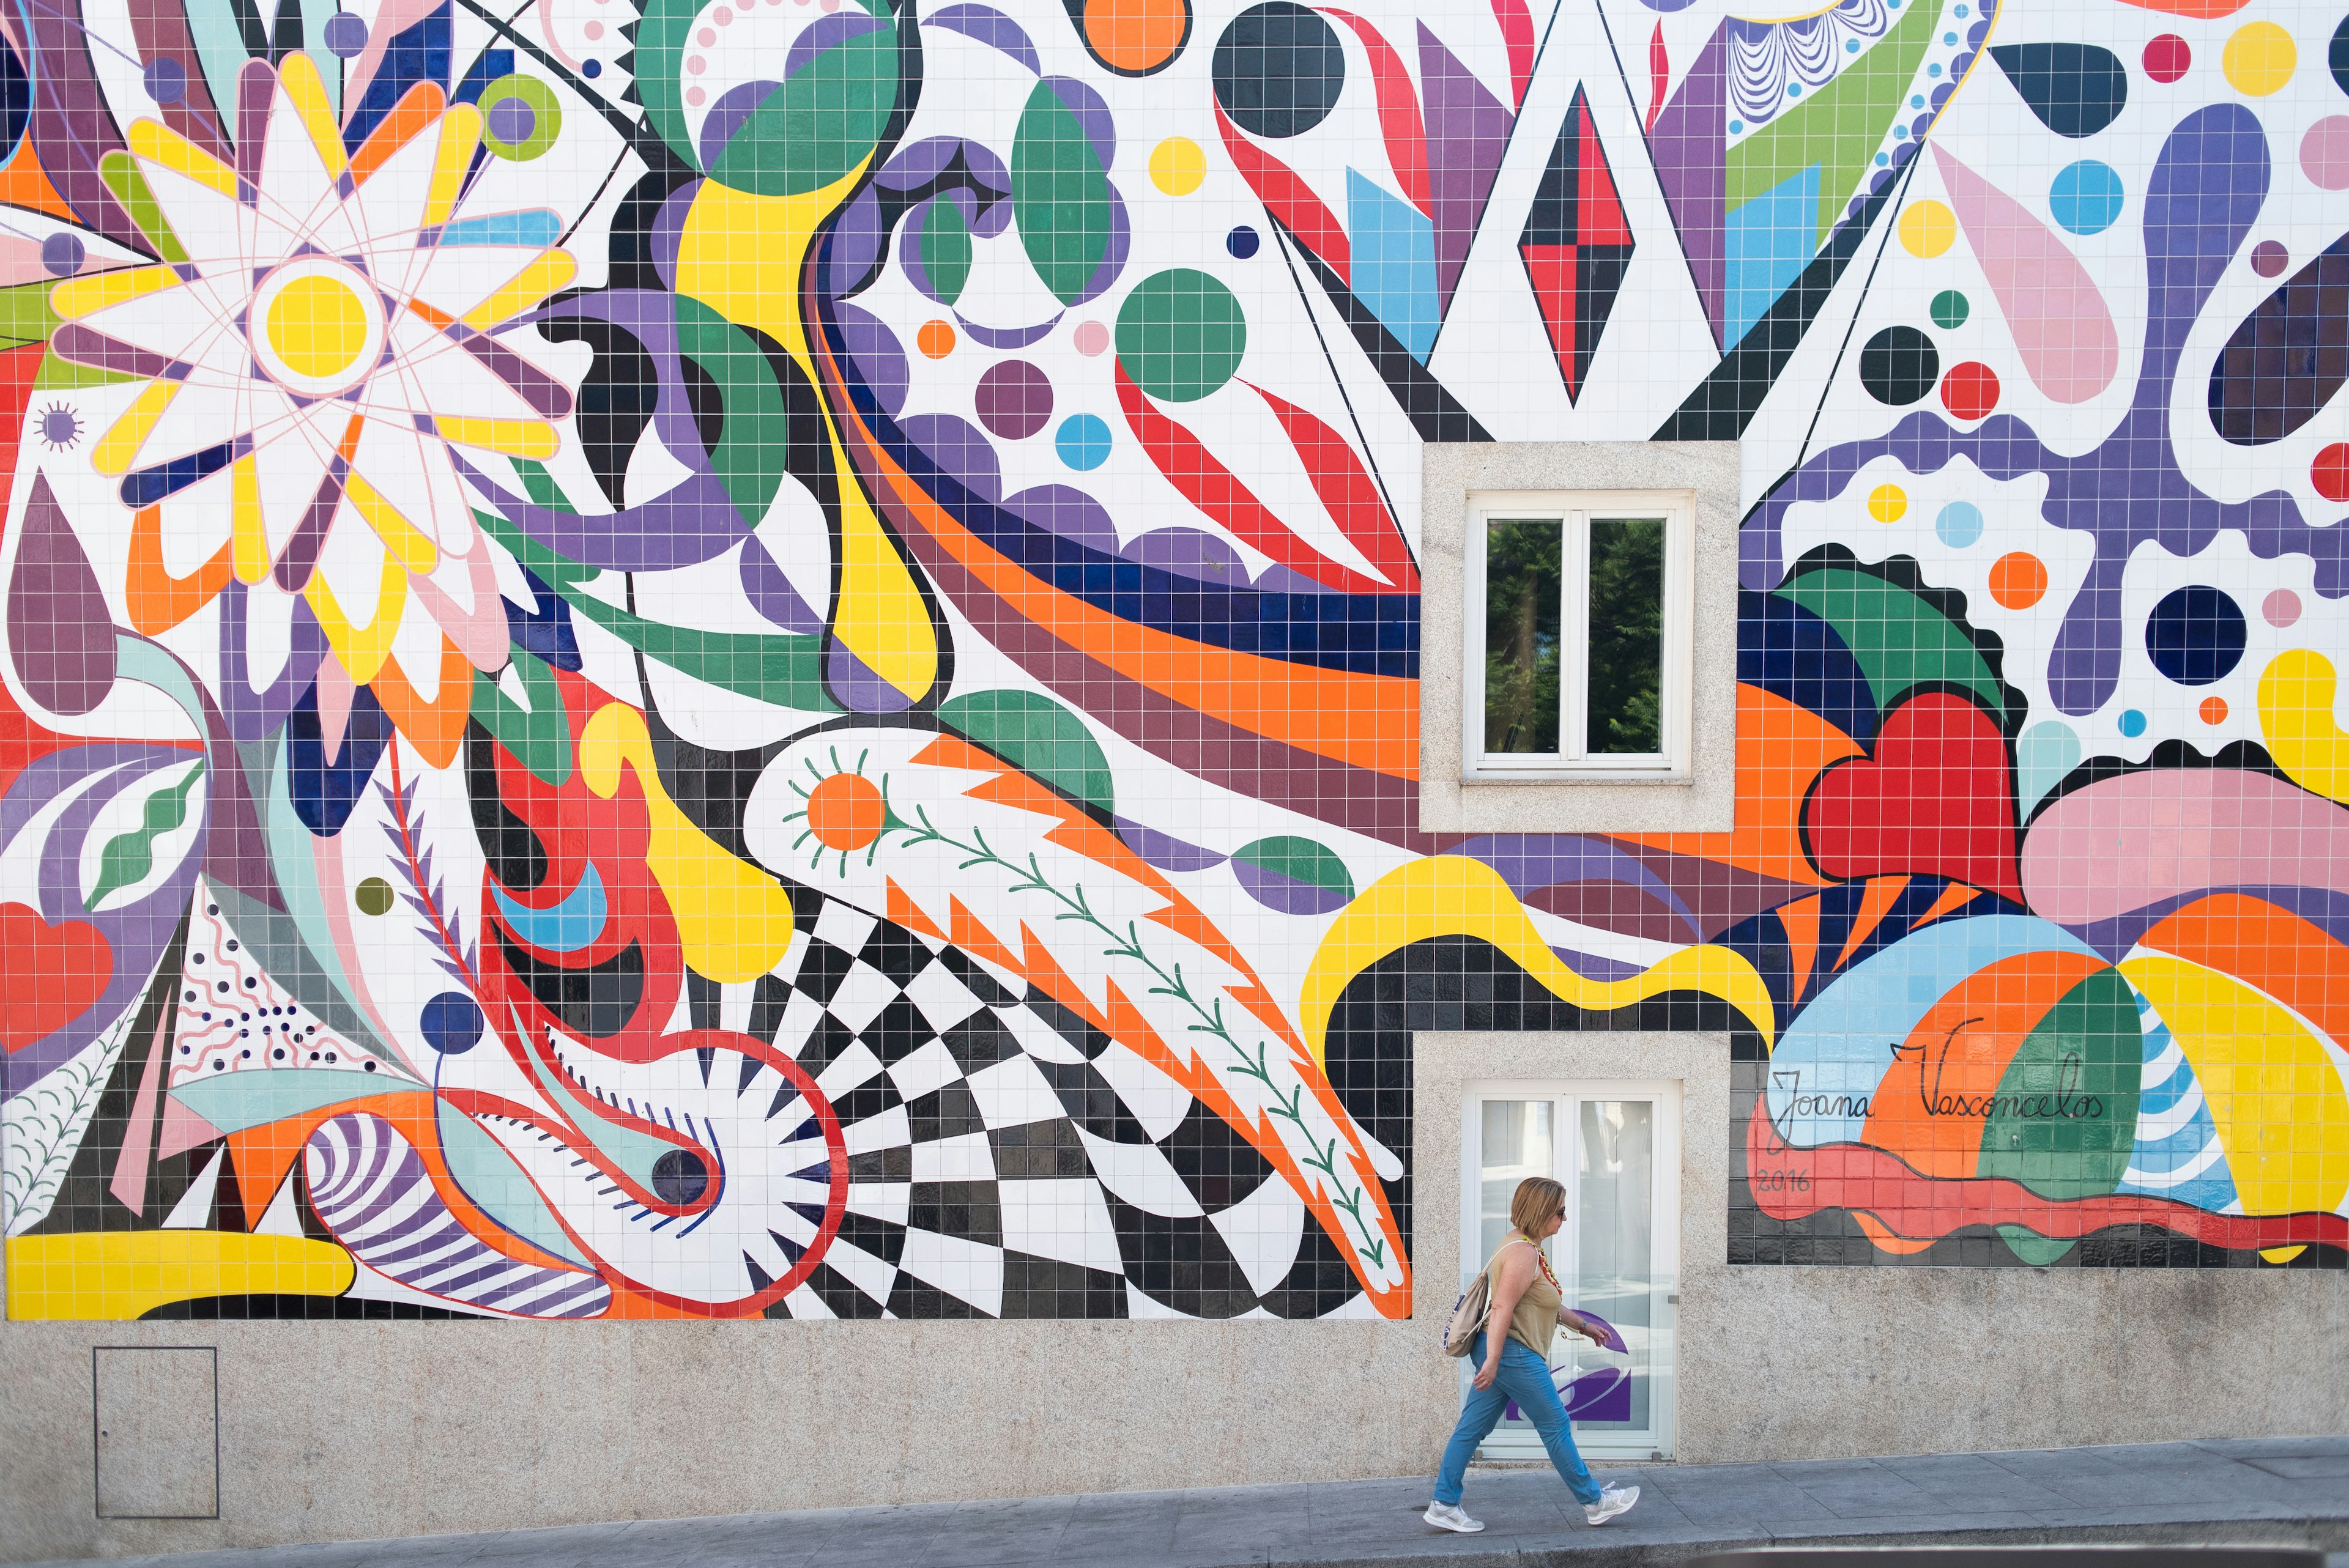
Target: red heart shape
(50,974)
(1934,799)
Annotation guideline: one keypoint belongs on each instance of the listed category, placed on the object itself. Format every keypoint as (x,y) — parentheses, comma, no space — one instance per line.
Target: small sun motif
(846,811)
(61,427)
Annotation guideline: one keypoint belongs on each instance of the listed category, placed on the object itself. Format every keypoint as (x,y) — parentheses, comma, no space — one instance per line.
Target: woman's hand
(1581,1325)
(1486,1374)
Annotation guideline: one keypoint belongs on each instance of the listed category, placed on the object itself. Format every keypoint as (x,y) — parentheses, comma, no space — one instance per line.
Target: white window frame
(1454,797)
(1575,511)
(1566,1095)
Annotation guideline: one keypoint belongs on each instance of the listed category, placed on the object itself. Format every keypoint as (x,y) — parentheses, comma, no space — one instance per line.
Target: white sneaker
(1452,1516)
(1613,1501)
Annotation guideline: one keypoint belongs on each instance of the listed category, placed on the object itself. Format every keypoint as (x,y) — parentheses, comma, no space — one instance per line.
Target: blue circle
(1851,46)
(2194,635)
(1242,243)
(1958,525)
(2132,723)
(2087,196)
(452,1023)
(1949,37)
(1794,89)
(1933,71)
(1736,128)
(1916,100)
(592,70)
(1082,440)
(166,80)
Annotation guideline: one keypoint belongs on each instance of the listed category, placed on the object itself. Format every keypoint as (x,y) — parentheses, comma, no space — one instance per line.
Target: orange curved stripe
(435,729)
(1365,721)
(409,118)
(158,601)
(2268,948)
(2196,10)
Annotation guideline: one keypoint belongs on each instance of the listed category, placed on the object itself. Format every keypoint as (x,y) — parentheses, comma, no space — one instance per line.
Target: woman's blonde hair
(1538,1201)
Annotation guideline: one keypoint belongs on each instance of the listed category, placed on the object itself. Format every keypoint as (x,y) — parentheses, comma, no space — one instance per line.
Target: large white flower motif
(320,329)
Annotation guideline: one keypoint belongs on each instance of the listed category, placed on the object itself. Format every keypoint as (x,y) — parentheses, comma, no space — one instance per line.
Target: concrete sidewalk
(2274,1492)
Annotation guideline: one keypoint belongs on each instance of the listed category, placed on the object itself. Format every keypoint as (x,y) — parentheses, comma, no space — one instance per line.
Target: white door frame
(1566,1095)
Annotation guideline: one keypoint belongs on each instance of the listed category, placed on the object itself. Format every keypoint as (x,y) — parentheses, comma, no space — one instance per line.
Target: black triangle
(759,1278)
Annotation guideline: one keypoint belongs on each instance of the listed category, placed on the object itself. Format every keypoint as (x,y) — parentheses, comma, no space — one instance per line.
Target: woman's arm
(1516,1273)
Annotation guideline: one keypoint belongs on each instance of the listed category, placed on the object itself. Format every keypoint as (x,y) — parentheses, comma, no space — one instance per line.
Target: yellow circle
(1887,503)
(1176,165)
(318,325)
(1927,228)
(2260,59)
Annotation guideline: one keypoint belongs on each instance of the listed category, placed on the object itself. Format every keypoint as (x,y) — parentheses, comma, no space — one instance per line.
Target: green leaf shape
(946,249)
(1899,640)
(2032,1248)
(663,30)
(128,857)
(1033,732)
(778,667)
(538,483)
(754,436)
(1839,128)
(825,119)
(1181,335)
(57,375)
(541,736)
(1300,859)
(26,316)
(1060,195)
(121,176)
(2065,1119)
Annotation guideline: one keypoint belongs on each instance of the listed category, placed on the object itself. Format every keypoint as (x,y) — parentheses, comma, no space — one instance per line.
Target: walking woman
(1513,1357)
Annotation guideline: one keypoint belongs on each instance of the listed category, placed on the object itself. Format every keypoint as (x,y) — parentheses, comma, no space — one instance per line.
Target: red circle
(2167,58)
(1970,390)
(2329,471)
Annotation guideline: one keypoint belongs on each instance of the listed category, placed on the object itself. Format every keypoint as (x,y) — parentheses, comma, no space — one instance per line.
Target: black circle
(680,1177)
(2338,55)
(2195,635)
(1278,69)
(1898,366)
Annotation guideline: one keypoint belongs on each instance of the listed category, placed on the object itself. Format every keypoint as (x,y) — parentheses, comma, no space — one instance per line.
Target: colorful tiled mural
(762,658)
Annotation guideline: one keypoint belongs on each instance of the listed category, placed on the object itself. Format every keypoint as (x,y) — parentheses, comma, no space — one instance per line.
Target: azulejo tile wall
(761,658)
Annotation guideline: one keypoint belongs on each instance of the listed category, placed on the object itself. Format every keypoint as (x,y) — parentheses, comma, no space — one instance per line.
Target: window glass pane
(1517,1145)
(1521,634)
(1615,1266)
(1627,636)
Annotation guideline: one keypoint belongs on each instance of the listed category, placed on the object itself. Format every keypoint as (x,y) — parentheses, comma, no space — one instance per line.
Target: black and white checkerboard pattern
(1006,1159)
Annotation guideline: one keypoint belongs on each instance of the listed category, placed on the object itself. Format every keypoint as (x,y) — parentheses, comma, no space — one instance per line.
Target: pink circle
(593,30)
(707,37)
(2281,608)
(2167,58)
(695,96)
(2325,153)
(1091,338)
(722,15)
(695,64)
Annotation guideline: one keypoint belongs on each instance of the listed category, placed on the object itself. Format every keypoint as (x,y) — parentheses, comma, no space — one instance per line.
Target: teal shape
(569,926)
(1393,271)
(498,1186)
(259,1095)
(1769,241)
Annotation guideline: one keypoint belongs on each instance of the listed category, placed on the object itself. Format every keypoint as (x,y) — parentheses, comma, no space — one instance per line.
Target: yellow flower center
(318,325)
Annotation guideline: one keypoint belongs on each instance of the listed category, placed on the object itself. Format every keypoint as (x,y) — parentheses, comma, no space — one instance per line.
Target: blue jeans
(1525,1378)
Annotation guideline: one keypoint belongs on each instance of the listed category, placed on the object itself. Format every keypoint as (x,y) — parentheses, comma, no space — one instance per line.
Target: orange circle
(936,340)
(2213,711)
(2018,581)
(846,811)
(1136,35)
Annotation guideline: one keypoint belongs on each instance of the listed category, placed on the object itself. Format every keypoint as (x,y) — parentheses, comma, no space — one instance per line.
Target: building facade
(744,689)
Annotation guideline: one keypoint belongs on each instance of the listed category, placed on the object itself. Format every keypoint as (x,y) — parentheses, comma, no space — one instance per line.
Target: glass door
(1611,1145)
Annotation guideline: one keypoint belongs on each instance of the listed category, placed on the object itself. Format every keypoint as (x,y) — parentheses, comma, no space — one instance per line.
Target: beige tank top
(1535,1322)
